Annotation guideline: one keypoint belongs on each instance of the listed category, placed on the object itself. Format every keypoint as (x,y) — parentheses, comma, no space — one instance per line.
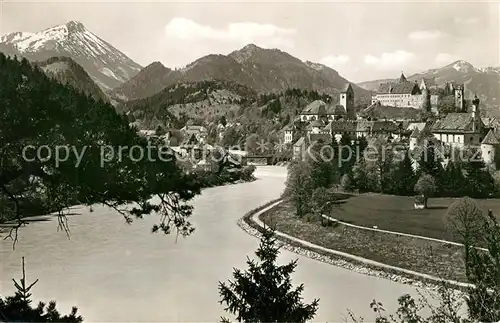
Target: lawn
(430,257)
(396,213)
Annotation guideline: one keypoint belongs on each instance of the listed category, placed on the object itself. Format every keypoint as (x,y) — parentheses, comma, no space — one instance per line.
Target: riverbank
(207,179)
(404,260)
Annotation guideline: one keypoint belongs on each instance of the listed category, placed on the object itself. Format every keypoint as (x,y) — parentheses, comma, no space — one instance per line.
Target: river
(114,272)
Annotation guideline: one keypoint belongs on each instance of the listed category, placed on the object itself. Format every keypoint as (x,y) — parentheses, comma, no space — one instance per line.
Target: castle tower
(347,100)
(475,107)
(488,147)
(459,98)
(425,104)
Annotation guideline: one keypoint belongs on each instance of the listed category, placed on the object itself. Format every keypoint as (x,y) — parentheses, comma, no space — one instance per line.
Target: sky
(362,40)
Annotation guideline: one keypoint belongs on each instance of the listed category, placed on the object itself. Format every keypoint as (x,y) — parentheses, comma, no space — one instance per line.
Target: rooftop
(492,138)
(399,88)
(378,111)
(319,107)
(454,122)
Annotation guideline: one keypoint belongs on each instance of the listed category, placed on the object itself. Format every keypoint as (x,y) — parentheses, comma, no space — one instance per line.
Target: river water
(114,272)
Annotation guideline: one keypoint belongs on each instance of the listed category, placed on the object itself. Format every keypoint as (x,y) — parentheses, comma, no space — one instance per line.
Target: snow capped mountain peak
(75,26)
(462,66)
(105,64)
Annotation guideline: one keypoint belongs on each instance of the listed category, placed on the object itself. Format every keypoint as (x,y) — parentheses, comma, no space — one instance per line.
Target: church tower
(459,98)
(402,78)
(347,100)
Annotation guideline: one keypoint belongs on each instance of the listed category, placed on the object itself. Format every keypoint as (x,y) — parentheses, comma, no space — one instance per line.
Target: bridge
(269,158)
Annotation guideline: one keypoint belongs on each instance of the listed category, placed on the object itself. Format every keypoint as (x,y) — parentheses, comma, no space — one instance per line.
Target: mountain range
(262,70)
(105,64)
(485,82)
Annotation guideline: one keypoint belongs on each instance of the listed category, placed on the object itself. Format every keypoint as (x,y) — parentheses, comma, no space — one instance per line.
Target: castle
(407,94)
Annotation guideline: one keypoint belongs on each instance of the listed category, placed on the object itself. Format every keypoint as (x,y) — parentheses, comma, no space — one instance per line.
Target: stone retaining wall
(361,265)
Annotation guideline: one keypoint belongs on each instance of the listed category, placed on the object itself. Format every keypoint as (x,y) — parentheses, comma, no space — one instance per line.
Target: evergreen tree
(18,308)
(38,111)
(346,153)
(430,163)
(360,177)
(264,292)
(404,179)
(454,182)
(480,182)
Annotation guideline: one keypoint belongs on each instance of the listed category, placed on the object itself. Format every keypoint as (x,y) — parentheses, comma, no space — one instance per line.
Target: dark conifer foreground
(264,292)
(37,111)
(18,308)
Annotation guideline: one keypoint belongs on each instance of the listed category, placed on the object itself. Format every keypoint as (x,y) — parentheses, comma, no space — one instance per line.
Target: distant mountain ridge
(263,70)
(105,64)
(485,82)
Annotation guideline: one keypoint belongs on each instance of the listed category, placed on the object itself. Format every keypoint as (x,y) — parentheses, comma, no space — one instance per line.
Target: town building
(321,110)
(489,145)
(299,148)
(338,129)
(288,130)
(461,129)
(199,132)
(403,94)
(407,94)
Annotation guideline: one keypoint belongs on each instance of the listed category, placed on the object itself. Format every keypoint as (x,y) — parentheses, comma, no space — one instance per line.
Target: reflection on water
(118,272)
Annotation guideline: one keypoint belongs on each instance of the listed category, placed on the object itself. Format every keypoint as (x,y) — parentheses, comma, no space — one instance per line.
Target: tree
(430,163)
(346,154)
(379,161)
(320,199)
(18,308)
(264,292)
(223,121)
(426,186)
(465,219)
(364,179)
(37,111)
(454,182)
(347,182)
(480,182)
(446,104)
(323,171)
(299,186)
(252,144)
(160,131)
(230,137)
(403,177)
(483,271)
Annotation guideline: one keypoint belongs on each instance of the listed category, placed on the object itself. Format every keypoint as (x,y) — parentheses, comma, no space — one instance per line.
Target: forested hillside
(41,118)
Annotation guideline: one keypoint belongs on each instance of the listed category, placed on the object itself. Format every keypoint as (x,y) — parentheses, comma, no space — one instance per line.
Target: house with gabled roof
(337,129)
(200,132)
(317,126)
(461,129)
